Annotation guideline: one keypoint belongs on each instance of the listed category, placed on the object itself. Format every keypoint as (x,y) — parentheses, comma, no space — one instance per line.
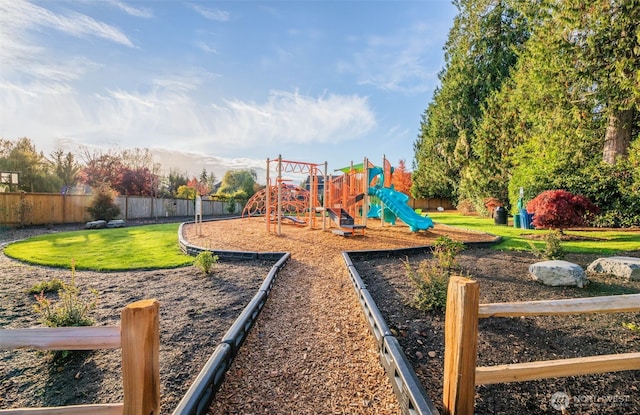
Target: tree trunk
(618,135)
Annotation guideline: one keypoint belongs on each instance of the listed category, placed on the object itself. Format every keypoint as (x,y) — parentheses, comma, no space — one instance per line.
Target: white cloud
(399,62)
(212,14)
(133,11)
(288,117)
(170,113)
(206,48)
(20,52)
(19,14)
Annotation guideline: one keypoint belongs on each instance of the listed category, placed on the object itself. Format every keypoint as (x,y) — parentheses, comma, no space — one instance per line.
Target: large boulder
(96,224)
(558,273)
(116,223)
(621,266)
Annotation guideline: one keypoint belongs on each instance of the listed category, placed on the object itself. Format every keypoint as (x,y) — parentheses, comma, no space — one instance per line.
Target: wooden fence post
(140,336)
(460,346)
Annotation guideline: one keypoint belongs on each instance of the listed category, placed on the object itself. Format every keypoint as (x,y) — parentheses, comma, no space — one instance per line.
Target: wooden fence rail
(461,338)
(139,338)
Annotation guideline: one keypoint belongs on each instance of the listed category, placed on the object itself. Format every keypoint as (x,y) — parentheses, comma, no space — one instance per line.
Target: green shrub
(431,284)
(103,206)
(552,247)
(445,251)
(69,310)
(431,277)
(615,189)
(53,285)
(205,261)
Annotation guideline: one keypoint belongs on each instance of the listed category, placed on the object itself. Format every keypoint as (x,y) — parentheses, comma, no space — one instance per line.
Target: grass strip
(119,249)
(596,241)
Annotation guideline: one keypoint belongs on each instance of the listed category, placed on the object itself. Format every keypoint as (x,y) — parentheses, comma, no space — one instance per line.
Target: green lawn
(604,242)
(138,247)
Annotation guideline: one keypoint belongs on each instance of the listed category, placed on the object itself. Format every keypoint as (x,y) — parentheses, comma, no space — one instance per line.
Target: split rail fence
(461,340)
(139,338)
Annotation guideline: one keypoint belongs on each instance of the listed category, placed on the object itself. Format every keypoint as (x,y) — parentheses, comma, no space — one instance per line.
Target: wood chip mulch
(310,351)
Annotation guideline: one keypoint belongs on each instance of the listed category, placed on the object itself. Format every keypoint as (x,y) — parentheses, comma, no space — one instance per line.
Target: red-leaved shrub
(559,209)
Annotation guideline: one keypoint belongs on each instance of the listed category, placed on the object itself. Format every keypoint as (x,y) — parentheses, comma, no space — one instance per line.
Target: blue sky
(222,85)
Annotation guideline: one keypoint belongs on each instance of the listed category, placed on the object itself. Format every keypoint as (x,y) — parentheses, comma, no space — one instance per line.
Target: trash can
(516,221)
(500,216)
(525,219)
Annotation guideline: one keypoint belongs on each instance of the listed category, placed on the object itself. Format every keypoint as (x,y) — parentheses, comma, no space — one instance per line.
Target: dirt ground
(195,312)
(310,351)
(502,277)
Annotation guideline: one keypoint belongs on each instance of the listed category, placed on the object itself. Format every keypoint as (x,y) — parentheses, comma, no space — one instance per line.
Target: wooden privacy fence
(51,208)
(461,339)
(139,338)
(431,204)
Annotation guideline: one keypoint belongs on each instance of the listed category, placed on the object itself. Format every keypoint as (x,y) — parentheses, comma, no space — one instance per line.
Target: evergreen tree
(479,53)
(65,167)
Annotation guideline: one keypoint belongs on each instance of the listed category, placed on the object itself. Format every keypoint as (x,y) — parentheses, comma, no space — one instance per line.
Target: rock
(96,224)
(621,266)
(558,273)
(116,223)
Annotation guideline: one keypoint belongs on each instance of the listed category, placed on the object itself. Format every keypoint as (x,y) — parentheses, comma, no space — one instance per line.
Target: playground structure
(281,200)
(363,191)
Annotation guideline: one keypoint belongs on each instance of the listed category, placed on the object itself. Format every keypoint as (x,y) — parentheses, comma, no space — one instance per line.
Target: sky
(222,85)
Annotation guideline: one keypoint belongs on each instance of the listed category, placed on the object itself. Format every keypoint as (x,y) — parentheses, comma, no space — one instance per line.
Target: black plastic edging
(225,255)
(412,250)
(207,383)
(199,396)
(412,397)
(238,331)
(407,387)
(268,282)
(377,324)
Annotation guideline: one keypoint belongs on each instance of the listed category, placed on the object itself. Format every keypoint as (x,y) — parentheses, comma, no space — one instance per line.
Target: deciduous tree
(401,178)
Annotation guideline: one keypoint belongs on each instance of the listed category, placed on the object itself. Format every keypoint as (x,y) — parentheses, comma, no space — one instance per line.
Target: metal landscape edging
(198,397)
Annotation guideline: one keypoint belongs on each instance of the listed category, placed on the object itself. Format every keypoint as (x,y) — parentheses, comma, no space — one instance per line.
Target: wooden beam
(140,329)
(61,338)
(521,372)
(460,347)
(607,304)
(98,409)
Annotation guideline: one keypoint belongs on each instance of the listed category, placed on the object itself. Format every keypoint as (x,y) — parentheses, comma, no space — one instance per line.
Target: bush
(445,251)
(24,210)
(466,207)
(559,209)
(103,206)
(431,278)
(53,285)
(615,189)
(205,261)
(431,283)
(70,310)
(491,203)
(552,247)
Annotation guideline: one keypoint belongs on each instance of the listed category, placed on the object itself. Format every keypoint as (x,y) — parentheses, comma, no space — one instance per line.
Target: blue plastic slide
(397,203)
